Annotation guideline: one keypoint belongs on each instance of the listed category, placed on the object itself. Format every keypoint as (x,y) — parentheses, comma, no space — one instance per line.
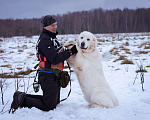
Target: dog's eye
(81,37)
(88,39)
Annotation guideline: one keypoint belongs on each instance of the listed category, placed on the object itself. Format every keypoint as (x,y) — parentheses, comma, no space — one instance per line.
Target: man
(50,54)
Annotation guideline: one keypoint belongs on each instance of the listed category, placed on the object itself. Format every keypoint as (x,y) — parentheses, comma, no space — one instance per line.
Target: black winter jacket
(50,50)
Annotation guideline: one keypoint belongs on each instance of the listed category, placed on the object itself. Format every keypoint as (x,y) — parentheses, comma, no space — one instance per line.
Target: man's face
(52,28)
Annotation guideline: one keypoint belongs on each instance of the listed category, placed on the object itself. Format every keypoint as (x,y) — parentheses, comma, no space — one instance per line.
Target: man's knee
(50,106)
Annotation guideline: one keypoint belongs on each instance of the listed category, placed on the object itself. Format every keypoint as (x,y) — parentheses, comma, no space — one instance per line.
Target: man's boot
(18,99)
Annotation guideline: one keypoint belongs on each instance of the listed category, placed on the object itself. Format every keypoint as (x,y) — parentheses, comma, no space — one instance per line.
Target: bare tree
(3,86)
(95,20)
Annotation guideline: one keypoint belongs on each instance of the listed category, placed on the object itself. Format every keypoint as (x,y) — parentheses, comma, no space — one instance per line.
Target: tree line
(95,21)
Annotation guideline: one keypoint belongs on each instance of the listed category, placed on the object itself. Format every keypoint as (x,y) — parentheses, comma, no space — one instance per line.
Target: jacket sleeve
(49,51)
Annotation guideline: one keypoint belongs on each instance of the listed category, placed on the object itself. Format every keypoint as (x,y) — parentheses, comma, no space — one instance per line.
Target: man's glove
(73,50)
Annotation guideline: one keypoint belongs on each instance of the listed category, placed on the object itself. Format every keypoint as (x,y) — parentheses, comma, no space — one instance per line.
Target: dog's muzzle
(83,45)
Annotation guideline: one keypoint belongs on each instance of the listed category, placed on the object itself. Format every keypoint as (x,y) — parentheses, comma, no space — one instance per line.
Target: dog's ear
(95,41)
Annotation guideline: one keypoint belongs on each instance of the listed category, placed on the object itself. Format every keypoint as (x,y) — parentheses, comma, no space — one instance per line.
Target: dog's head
(87,41)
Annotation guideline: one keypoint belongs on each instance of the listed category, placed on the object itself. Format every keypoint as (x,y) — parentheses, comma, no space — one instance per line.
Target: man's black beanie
(48,20)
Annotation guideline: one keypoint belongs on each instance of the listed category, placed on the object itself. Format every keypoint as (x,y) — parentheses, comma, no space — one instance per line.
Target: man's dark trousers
(51,93)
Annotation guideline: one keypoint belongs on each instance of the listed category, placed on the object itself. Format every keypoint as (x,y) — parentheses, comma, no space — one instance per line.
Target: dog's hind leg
(94,105)
(102,100)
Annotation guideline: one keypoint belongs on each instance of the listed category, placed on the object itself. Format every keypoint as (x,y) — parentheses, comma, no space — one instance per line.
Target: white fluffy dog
(88,68)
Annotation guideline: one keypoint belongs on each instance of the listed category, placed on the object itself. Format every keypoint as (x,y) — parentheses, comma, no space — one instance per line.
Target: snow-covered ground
(19,54)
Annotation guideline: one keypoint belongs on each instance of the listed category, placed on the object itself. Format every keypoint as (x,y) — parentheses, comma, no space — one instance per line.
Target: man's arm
(49,51)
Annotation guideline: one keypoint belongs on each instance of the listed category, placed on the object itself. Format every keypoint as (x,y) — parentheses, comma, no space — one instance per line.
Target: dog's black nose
(82,44)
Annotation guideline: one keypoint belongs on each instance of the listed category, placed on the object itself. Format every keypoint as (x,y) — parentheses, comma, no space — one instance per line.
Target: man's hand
(74,50)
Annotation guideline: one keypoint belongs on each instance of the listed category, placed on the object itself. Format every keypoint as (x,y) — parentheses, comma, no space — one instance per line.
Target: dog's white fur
(88,68)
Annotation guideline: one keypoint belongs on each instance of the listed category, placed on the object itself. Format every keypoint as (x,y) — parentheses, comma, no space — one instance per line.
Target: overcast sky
(38,8)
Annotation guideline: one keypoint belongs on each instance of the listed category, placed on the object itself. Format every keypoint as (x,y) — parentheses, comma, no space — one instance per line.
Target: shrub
(143,52)
(1,51)
(127,62)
